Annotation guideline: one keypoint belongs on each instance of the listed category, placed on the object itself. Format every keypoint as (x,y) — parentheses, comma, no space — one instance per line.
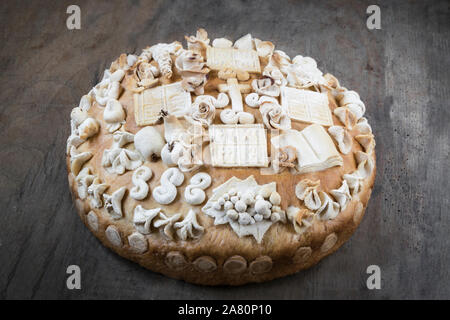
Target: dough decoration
(221,56)
(83,180)
(193,71)
(266,87)
(356,178)
(199,42)
(149,143)
(78,159)
(109,87)
(113,115)
(152,104)
(143,218)
(284,158)
(307,191)
(367,141)
(301,219)
(145,75)
(113,235)
(249,208)
(96,190)
(194,194)
(138,242)
(342,137)
(168,223)
(273,115)
(342,195)
(140,177)
(236,114)
(238,146)
(329,209)
(113,203)
(363,126)
(352,101)
(189,228)
(161,54)
(170,226)
(303,73)
(315,148)
(184,145)
(345,116)
(203,110)
(77,117)
(306,106)
(167,191)
(119,159)
(92,220)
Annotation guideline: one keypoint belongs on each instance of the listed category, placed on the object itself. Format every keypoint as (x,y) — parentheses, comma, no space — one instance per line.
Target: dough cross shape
(234,90)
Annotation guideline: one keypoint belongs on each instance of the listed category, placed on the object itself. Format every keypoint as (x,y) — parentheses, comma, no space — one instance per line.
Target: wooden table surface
(400,71)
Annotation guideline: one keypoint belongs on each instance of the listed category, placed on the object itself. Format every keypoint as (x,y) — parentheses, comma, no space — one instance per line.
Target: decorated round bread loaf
(218,162)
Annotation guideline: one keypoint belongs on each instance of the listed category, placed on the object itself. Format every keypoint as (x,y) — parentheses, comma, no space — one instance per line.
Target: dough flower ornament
(118,159)
(301,219)
(352,101)
(346,117)
(202,111)
(303,73)
(342,195)
(83,180)
(266,87)
(194,193)
(113,203)
(140,177)
(193,71)
(167,191)
(367,141)
(168,224)
(285,157)
(249,208)
(183,145)
(145,75)
(365,168)
(306,190)
(77,116)
(77,160)
(143,219)
(113,115)
(96,190)
(109,87)
(342,137)
(329,209)
(189,228)
(274,116)
(363,126)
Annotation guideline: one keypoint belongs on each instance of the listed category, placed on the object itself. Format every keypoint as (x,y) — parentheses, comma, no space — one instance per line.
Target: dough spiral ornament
(140,177)
(194,193)
(167,191)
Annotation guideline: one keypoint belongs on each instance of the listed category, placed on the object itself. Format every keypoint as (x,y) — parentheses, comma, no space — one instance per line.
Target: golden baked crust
(219,256)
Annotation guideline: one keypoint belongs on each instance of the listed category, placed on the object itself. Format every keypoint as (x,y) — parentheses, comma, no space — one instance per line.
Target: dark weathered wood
(401,72)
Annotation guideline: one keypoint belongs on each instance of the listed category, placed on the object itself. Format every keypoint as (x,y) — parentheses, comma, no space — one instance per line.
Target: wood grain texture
(401,73)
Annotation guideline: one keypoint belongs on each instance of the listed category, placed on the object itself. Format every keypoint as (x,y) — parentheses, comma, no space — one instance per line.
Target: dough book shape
(306,106)
(238,146)
(170,98)
(315,148)
(235,59)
